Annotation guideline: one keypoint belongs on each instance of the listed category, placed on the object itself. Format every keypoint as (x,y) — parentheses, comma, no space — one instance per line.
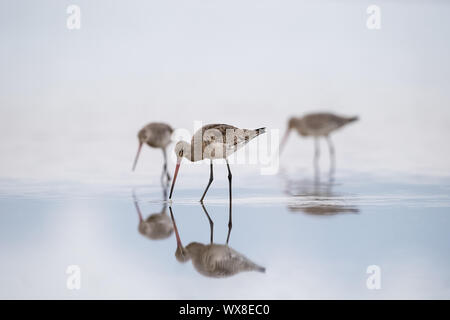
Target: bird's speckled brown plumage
(214,141)
(319,124)
(219,260)
(156,134)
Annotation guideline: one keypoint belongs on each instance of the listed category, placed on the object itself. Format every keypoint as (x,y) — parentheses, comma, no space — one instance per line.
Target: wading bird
(155,135)
(317,125)
(213,141)
(213,260)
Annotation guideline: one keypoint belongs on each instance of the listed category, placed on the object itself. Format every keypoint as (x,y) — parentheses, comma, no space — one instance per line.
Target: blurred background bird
(156,135)
(317,125)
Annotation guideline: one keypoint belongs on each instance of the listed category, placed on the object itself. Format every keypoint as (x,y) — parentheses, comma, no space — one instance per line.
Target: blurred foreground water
(315,239)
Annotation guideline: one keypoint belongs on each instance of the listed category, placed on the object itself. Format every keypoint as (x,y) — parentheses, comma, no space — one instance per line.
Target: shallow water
(315,239)
(72,102)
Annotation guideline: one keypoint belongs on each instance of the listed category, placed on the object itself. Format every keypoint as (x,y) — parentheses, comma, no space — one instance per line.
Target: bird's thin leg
(332,156)
(230,222)
(211,223)
(165,166)
(164,190)
(316,157)
(165,173)
(211,177)
(164,208)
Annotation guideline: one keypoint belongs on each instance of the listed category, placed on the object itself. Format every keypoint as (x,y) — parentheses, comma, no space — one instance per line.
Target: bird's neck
(300,127)
(189,153)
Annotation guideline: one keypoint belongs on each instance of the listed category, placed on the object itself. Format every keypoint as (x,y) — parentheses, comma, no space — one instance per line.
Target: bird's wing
(222,260)
(219,133)
(213,133)
(322,121)
(161,128)
(158,134)
(221,139)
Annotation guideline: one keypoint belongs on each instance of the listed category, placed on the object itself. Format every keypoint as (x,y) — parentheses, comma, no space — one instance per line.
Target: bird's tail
(260,131)
(351,119)
(251,266)
(260,269)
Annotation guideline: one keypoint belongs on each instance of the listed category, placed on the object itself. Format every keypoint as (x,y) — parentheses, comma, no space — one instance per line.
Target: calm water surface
(71,103)
(315,239)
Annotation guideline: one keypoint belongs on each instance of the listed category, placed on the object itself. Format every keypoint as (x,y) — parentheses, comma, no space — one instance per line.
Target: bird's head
(182,255)
(292,123)
(182,149)
(142,136)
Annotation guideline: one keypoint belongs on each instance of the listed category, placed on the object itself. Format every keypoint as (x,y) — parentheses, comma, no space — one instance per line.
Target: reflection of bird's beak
(136,205)
(137,155)
(175,177)
(177,235)
(138,211)
(283,142)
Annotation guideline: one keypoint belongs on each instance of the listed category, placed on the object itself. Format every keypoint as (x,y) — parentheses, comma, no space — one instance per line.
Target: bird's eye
(180,153)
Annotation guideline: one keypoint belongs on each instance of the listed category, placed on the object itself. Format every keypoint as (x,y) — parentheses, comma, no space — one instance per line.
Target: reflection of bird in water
(316,198)
(213,260)
(157,225)
(317,125)
(156,135)
(323,209)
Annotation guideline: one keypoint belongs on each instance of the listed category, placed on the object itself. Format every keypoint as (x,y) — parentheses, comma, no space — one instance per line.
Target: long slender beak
(137,155)
(283,142)
(138,211)
(174,177)
(136,205)
(177,235)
